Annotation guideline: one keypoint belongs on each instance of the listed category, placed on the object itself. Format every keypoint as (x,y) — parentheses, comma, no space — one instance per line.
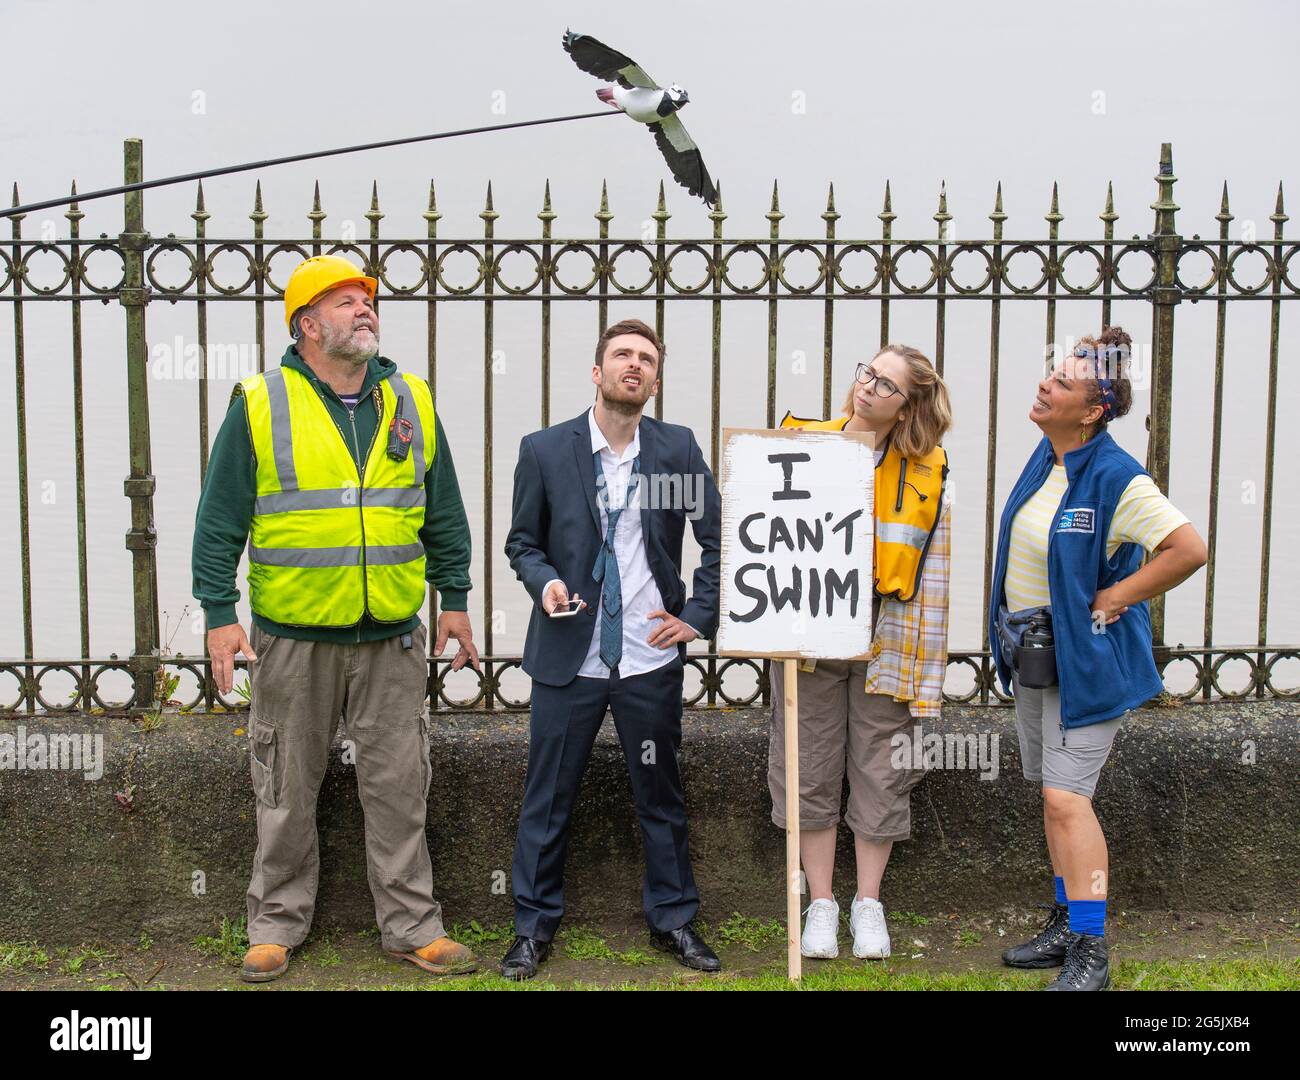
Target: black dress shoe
(1047,948)
(524,956)
(1087,965)
(688,947)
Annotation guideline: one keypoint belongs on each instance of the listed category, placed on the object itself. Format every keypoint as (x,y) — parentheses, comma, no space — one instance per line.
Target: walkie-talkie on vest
(400,433)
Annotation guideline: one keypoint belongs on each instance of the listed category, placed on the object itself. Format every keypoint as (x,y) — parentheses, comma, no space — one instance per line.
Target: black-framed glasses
(885,388)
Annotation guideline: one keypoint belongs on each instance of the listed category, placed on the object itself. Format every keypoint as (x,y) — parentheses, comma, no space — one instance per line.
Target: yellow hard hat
(316,276)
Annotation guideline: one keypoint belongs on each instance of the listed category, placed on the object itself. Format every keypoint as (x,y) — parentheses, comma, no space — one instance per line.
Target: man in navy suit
(600,506)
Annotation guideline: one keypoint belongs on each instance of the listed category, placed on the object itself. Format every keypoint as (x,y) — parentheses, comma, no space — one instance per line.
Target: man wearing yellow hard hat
(335,471)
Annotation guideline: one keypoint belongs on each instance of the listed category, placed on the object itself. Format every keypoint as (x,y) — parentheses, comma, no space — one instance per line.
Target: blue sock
(1060,890)
(1088,917)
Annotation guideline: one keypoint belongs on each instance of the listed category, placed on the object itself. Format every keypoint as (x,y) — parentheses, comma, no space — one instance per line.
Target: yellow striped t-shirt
(1144,516)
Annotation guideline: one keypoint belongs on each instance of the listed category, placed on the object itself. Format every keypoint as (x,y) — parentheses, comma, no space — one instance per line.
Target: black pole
(226,170)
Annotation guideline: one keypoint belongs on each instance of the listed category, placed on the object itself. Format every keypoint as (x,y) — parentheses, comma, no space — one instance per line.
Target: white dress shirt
(640,593)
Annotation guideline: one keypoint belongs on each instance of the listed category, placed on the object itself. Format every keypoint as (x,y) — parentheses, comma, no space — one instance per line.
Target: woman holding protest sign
(851,711)
(1069,628)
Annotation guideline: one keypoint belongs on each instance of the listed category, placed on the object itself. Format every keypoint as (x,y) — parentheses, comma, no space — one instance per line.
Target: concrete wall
(1192,824)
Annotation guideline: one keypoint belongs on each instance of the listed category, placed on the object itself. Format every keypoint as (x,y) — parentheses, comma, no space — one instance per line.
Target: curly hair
(1116,370)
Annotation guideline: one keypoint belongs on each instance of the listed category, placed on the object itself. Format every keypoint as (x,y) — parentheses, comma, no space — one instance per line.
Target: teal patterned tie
(606,569)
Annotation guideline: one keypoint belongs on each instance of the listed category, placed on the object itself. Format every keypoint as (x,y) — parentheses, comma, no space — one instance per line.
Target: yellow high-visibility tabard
(327,545)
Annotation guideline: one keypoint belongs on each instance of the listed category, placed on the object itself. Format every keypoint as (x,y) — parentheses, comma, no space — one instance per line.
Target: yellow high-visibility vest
(327,545)
(908,498)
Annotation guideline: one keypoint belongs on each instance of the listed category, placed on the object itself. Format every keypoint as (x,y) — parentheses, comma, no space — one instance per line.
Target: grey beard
(339,346)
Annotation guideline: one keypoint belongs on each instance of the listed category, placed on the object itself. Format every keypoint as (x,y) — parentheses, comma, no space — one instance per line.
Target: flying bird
(641,98)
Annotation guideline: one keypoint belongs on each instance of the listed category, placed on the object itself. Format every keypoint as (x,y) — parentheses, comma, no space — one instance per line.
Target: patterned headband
(1109,403)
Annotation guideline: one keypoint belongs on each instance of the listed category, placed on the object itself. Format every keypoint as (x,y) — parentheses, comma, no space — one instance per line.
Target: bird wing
(605,63)
(684,158)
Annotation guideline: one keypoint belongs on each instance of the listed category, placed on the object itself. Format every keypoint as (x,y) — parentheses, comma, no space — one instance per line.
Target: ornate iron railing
(1154,269)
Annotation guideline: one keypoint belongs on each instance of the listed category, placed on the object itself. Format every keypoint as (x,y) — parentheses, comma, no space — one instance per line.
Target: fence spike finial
(776,199)
(830,198)
(1164,206)
(997,215)
(546,215)
(1278,214)
(374,215)
(1224,215)
(431,215)
(74,213)
(1054,217)
(316,215)
(717,214)
(661,214)
(603,214)
(200,214)
(259,214)
(942,217)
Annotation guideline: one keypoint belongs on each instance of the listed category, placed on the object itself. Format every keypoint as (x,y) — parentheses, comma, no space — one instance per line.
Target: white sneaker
(821,930)
(867,921)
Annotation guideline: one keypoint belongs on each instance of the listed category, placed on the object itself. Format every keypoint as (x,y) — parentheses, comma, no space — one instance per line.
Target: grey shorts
(1074,766)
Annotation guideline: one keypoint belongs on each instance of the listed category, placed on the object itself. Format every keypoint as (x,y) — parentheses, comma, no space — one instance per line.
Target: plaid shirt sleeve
(931,622)
(909,655)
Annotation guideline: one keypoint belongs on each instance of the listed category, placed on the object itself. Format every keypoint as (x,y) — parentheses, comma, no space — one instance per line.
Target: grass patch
(753,934)
(579,943)
(18,956)
(909,918)
(322,952)
(1236,974)
(475,935)
(73,960)
(229,944)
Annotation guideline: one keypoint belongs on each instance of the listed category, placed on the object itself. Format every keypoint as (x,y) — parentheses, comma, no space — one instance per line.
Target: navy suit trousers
(648,717)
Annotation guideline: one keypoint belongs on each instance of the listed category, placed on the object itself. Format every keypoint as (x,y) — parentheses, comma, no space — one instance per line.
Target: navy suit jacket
(555,533)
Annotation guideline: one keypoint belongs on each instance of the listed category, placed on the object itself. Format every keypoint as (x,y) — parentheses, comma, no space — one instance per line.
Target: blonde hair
(929,413)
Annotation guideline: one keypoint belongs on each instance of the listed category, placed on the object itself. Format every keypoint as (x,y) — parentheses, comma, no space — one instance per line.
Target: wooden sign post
(797,542)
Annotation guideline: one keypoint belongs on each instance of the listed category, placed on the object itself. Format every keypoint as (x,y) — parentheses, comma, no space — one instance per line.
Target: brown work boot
(442,956)
(262,963)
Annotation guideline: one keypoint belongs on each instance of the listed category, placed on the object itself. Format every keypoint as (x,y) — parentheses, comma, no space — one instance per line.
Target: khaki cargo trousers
(300,689)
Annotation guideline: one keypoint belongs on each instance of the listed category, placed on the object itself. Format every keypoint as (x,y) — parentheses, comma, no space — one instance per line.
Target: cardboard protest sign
(798,520)
(797,539)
